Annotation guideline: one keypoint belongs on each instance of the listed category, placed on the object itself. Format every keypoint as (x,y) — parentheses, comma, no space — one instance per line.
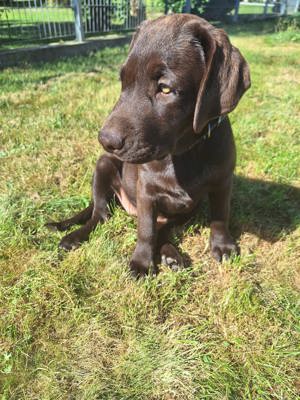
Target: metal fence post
(166,7)
(283,7)
(266,7)
(187,6)
(79,31)
(236,10)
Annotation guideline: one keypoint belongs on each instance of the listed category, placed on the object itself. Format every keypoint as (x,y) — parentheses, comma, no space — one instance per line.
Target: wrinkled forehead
(161,45)
(158,34)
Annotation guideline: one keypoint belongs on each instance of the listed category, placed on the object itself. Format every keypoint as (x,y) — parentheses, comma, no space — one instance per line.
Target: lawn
(21,16)
(76,326)
(251,9)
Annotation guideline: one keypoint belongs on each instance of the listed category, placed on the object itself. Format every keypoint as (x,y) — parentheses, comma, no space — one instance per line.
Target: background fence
(36,20)
(22,20)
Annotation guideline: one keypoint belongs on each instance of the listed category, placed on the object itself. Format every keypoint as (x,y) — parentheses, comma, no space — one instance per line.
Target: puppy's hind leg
(79,219)
(105,179)
(222,244)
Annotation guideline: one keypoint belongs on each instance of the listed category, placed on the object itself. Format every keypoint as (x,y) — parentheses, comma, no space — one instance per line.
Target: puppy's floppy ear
(226,76)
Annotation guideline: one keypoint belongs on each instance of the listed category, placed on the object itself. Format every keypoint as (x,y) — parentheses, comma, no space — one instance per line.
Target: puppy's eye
(165,89)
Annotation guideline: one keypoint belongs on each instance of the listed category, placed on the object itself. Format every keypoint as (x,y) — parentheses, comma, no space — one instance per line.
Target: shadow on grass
(267,209)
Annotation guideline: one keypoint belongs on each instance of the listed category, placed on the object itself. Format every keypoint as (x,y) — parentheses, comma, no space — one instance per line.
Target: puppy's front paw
(140,268)
(69,244)
(72,241)
(223,247)
(57,226)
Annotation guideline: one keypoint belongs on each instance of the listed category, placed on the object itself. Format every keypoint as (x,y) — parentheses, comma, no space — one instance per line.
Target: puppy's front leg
(143,259)
(221,243)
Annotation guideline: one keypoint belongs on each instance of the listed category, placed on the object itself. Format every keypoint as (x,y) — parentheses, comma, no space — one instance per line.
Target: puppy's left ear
(225,79)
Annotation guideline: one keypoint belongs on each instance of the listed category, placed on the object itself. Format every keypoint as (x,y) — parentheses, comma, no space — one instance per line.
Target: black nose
(111,141)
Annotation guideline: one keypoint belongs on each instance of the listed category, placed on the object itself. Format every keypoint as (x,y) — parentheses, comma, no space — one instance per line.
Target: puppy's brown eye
(165,89)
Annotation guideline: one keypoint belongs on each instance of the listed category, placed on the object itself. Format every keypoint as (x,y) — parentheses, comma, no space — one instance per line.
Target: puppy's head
(180,73)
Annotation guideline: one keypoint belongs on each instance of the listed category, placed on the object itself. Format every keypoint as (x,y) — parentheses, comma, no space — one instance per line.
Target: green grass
(75,326)
(255,9)
(250,9)
(32,15)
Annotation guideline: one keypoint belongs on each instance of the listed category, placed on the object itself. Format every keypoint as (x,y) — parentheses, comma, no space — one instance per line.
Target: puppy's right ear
(226,75)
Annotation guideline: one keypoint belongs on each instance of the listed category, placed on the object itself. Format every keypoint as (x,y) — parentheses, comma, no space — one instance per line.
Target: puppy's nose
(111,141)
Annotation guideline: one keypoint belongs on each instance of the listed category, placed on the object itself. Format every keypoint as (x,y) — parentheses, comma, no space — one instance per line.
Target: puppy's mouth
(141,155)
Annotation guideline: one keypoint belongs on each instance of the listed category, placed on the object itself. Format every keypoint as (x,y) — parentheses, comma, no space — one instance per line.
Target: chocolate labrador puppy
(168,139)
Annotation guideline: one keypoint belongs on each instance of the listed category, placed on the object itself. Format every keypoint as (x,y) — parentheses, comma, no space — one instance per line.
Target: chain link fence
(47,20)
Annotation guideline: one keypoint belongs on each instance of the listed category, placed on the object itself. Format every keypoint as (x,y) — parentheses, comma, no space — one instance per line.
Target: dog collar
(213,124)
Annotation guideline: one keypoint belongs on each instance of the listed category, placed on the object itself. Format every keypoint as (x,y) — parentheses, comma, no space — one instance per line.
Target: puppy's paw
(171,257)
(57,226)
(138,268)
(222,248)
(70,242)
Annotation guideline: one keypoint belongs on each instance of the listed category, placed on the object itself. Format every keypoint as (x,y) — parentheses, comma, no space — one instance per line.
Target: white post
(296,6)
(79,31)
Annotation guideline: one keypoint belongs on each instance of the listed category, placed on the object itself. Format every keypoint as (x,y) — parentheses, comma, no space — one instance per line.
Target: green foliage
(288,30)
(210,9)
